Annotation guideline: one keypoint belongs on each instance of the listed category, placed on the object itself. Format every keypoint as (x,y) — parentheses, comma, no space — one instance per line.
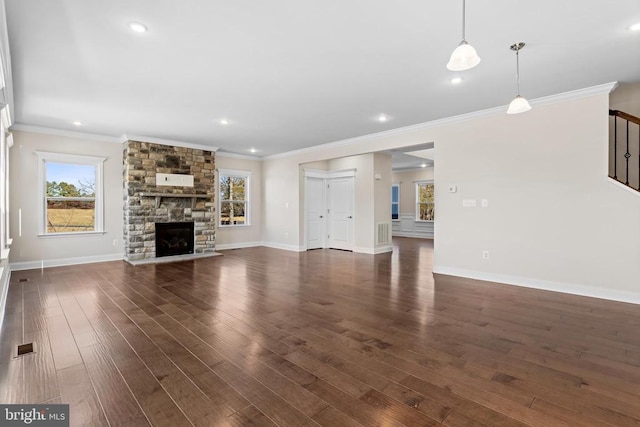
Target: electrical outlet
(485,254)
(115,242)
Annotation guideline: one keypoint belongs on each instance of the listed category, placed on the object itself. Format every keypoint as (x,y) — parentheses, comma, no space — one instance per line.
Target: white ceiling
(417,157)
(290,74)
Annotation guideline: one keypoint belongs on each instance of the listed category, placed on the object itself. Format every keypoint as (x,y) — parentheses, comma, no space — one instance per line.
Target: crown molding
(124,138)
(62,132)
(238,156)
(416,169)
(545,100)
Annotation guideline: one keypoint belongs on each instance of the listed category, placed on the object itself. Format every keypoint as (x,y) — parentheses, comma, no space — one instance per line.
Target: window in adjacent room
(395,201)
(71,194)
(425,207)
(233,191)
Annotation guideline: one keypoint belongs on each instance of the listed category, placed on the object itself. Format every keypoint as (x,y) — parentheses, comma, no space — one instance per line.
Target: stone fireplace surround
(145,203)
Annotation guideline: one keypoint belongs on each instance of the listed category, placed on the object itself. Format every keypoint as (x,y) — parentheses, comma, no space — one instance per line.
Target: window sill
(72,234)
(419,220)
(234,225)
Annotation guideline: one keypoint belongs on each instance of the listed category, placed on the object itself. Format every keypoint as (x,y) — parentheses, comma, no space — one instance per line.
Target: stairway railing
(629,145)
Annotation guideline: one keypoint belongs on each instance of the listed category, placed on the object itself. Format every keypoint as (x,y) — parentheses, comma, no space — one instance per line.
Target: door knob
(350,217)
(321,216)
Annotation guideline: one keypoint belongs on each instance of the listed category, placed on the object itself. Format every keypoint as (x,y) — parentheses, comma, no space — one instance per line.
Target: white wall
(243,236)
(381,195)
(554,219)
(30,250)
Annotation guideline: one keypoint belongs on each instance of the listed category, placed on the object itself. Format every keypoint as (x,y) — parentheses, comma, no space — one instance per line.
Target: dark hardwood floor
(267,337)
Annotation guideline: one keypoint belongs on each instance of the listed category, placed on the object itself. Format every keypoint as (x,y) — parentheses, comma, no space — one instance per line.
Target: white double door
(329,212)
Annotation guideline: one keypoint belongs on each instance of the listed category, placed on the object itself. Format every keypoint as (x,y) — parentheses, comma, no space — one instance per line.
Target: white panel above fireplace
(174,179)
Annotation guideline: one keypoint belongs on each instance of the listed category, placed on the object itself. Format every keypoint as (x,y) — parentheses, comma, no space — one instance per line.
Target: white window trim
(98,162)
(247,195)
(398,203)
(415,184)
(5,144)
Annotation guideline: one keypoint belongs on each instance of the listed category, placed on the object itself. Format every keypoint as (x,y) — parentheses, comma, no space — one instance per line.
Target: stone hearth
(145,203)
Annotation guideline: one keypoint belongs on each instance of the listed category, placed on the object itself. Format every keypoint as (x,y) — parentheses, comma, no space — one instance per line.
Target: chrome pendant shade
(464,56)
(519,104)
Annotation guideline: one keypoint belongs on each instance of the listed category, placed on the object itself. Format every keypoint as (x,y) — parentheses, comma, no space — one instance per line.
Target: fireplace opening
(174,238)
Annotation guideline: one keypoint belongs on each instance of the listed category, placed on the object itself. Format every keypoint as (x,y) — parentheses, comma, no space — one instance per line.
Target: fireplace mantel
(159,197)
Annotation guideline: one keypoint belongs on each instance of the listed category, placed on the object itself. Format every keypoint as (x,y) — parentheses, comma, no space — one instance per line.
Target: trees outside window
(233,193)
(425,201)
(72,199)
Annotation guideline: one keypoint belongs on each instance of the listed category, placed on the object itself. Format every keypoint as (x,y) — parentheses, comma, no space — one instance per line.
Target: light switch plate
(453,188)
(469,203)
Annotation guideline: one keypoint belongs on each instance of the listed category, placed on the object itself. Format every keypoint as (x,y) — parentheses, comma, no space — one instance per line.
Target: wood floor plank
(157,405)
(262,398)
(40,379)
(77,391)
(268,337)
(249,416)
(119,404)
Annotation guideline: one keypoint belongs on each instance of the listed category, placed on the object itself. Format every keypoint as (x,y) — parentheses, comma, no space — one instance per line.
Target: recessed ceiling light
(77,123)
(382,118)
(635,27)
(253,150)
(138,27)
(456,80)
(424,165)
(224,122)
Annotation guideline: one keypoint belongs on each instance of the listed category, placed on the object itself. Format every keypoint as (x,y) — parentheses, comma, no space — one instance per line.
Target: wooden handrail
(625,116)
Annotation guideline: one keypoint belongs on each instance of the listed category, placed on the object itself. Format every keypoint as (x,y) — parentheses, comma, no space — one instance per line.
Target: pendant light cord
(518,70)
(464,8)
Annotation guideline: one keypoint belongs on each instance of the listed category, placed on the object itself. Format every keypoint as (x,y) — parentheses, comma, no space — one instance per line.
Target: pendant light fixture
(519,104)
(464,56)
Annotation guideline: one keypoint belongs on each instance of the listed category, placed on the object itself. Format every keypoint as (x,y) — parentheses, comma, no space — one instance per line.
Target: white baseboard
(374,251)
(293,248)
(527,282)
(410,234)
(30,265)
(240,245)
(5,277)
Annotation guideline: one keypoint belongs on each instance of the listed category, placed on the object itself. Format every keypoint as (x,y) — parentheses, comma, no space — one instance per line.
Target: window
(425,208)
(395,201)
(71,194)
(233,191)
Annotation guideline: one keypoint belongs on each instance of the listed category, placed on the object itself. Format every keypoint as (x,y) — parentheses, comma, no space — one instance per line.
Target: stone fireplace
(147,204)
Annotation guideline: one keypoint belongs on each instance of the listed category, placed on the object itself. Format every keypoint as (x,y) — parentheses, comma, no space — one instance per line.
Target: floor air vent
(23,280)
(25,349)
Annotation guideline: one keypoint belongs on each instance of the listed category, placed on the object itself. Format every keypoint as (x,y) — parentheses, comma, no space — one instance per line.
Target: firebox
(174,238)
